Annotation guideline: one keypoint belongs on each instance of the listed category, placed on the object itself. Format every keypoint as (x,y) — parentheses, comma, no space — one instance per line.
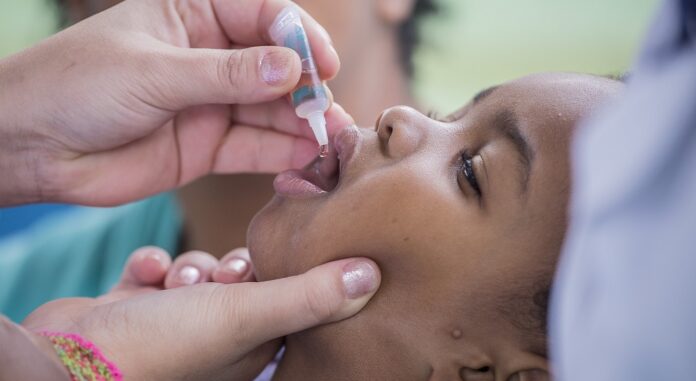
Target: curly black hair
(409,33)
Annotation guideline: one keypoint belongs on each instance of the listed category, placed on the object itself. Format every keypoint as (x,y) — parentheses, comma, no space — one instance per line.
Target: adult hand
(206,331)
(136,100)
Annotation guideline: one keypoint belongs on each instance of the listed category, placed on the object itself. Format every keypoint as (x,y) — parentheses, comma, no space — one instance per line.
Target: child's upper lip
(345,143)
(335,164)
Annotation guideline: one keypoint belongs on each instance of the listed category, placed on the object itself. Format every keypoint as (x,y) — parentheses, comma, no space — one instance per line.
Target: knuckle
(238,318)
(320,301)
(234,68)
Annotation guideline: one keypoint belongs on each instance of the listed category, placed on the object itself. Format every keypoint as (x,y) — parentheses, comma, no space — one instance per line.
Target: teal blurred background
(470,45)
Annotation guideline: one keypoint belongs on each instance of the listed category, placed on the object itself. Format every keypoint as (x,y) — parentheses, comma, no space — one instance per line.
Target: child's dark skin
(466,219)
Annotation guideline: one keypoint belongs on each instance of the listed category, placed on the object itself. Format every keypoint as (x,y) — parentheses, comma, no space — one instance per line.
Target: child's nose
(400,131)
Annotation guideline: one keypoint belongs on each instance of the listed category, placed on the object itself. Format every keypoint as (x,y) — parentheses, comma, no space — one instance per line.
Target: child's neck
(295,366)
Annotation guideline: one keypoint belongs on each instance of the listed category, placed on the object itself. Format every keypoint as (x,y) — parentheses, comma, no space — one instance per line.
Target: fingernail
(237,266)
(189,275)
(275,68)
(155,256)
(359,279)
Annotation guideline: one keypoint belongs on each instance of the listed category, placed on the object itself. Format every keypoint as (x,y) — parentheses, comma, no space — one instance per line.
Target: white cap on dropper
(318,124)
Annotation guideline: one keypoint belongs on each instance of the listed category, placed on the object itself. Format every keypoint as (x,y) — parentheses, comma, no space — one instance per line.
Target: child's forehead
(546,85)
(540,100)
(561,89)
(511,97)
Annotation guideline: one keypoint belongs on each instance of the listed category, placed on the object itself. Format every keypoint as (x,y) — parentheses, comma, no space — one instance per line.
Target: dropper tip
(323,150)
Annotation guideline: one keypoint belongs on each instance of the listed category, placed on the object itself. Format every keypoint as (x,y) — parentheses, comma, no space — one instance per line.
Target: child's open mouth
(321,176)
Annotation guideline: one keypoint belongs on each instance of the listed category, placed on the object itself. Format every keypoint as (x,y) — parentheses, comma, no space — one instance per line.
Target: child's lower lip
(294,184)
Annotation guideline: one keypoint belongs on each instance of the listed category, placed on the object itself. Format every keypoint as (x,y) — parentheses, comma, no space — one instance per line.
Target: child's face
(465,218)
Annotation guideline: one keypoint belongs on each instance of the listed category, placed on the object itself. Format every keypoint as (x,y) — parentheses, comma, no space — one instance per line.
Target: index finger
(247,22)
(280,116)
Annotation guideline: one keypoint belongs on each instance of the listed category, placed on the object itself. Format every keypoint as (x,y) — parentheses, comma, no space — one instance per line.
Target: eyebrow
(478,98)
(507,125)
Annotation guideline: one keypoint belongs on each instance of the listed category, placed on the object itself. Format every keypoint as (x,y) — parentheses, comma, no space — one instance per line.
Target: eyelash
(466,168)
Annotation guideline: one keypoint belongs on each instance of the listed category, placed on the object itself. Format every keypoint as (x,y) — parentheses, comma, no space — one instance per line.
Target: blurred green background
(470,45)
(473,44)
(24,22)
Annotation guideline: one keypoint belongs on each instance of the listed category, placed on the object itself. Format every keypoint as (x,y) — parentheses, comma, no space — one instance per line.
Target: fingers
(147,266)
(191,268)
(235,267)
(222,324)
(279,115)
(247,22)
(328,293)
(190,77)
(278,140)
(150,266)
(251,75)
(254,150)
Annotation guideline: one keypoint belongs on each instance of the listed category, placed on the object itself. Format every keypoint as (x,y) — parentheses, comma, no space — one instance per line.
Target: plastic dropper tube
(309,98)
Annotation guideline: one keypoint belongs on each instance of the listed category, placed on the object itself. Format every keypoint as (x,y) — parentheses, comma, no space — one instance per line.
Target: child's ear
(395,12)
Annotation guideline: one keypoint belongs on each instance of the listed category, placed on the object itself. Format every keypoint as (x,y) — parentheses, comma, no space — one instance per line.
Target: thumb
(328,293)
(237,76)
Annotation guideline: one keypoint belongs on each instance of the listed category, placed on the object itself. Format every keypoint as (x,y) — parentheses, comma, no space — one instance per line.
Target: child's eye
(466,170)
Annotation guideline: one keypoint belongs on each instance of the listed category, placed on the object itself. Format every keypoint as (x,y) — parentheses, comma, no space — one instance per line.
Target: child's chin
(268,246)
(278,250)
(258,247)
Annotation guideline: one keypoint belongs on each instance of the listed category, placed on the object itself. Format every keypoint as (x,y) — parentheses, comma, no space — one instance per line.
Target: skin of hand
(209,331)
(150,95)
